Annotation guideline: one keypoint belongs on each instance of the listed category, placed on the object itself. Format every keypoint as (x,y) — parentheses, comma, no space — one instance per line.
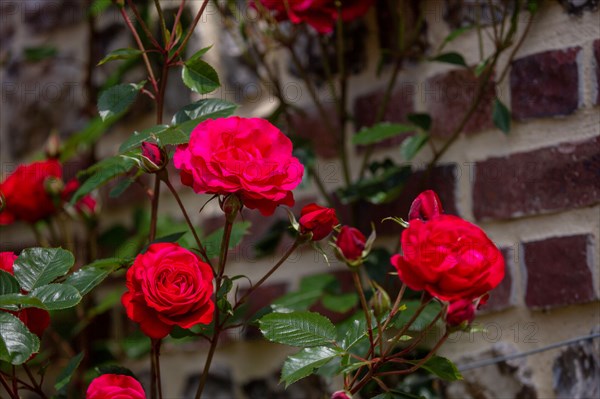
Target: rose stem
(12,394)
(188,220)
(156,350)
(363,303)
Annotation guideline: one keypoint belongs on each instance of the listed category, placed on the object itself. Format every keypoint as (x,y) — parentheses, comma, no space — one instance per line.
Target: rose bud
(317,220)
(460,313)
(154,159)
(341,395)
(380,301)
(425,206)
(350,244)
(115,386)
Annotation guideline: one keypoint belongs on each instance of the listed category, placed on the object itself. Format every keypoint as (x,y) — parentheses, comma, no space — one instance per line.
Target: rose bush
(115,386)
(317,220)
(25,194)
(448,257)
(246,156)
(168,286)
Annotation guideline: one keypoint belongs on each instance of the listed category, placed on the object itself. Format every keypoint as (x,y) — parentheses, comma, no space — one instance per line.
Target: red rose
(168,286)
(154,159)
(86,205)
(448,257)
(341,395)
(115,386)
(317,220)
(350,243)
(354,9)
(460,312)
(36,320)
(425,206)
(246,156)
(25,193)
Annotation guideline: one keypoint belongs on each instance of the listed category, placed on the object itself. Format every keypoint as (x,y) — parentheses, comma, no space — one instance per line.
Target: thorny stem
(161,18)
(142,23)
(156,353)
(174,30)
(154,215)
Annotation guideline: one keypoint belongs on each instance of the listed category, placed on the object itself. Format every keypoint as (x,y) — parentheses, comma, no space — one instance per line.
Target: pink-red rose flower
(248,157)
(459,312)
(319,14)
(168,286)
(36,320)
(154,158)
(86,205)
(317,220)
(115,386)
(25,195)
(425,206)
(448,257)
(340,395)
(350,242)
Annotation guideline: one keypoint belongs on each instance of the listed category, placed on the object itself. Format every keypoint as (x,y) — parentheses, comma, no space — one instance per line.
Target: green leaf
(210,108)
(8,283)
(411,145)
(212,243)
(451,58)
(57,296)
(101,173)
(354,334)
(298,329)
(303,363)
(501,116)
(14,302)
(298,300)
(453,35)
(40,53)
(17,343)
(425,317)
(137,138)
(98,6)
(442,367)
(421,120)
(174,135)
(88,277)
(122,186)
(117,99)
(39,266)
(65,375)
(340,303)
(120,54)
(199,76)
(114,369)
(380,132)
(198,54)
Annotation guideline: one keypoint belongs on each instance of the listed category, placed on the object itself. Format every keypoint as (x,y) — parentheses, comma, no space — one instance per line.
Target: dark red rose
(448,257)
(425,206)
(317,220)
(86,205)
(25,195)
(350,243)
(154,159)
(168,286)
(460,312)
(115,386)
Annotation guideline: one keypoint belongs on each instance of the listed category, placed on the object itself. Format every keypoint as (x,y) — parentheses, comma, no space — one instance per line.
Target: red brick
(443,180)
(597,57)
(448,97)
(564,176)
(400,104)
(545,84)
(558,271)
(501,297)
(309,125)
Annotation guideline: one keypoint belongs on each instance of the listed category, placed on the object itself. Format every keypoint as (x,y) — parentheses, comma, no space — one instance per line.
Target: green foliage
(411,145)
(34,54)
(117,99)
(137,138)
(17,343)
(421,120)
(120,54)
(67,373)
(385,184)
(453,35)
(36,267)
(101,173)
(212,243)
(379,132)
(199,76)
(8,284)
(305,362)
(426,316)
(441,367)
(57,296)
(88,277)
(451,58)
(501,116)
(210,108)
(305,329)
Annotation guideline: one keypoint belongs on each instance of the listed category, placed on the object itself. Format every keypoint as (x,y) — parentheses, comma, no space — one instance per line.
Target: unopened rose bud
(341,395)
(460,313)
(231,205)
(317,220)
(380,301)
(154,159)
(425,206)
(53,146)
(349,245)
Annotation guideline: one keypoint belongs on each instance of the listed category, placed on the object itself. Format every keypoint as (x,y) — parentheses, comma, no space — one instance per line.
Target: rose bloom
(25,193)
(317,220)
(459,312)
(319,14)
(448,257)
(425,206)
(86,205)
(115,386)
(36,320)
(168,286)
(350,243)
(246,156)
